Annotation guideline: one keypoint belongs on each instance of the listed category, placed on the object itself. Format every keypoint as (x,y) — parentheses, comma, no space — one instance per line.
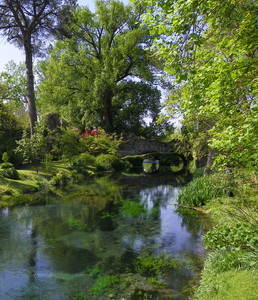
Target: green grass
(32,181)
(235,284)
(202,190)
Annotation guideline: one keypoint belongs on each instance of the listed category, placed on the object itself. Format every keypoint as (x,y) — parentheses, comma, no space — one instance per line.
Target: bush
(109,162)
(84,160)
(32,149)
(69,144)
(61,179)
(10,173)
(102,143)
(5,157)
(6,165)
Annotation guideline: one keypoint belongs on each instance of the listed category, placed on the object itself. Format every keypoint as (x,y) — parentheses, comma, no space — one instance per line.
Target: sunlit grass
(236,284)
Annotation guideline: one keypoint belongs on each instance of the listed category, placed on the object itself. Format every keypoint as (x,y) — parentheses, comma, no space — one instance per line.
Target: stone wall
(138,146)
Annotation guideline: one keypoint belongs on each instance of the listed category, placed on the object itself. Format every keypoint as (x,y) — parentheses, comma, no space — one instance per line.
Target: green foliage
(238,236)
(10,129)
(104,284)
(6,165)
(109,162)
(5,157)
(74,223)
(69,144)
(84,160)
(61,179)
(88,78)
(132,208)
(10,173)
(203,189)
(155,265)
(95,271)
(221,260)
(102,143)
(210,49)
(32,149)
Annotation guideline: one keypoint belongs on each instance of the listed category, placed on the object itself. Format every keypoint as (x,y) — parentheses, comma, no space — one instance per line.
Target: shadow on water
(109,238)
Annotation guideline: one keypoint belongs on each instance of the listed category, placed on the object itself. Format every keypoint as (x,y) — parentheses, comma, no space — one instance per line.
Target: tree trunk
(210,158)
(107,113)
(30,84)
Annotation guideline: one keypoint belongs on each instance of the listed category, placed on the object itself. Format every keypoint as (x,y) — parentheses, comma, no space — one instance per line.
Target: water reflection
(47,251)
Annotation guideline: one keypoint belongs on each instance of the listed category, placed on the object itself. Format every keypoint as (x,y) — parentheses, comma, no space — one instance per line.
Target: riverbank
(230,270)
(232,243)
(35,183)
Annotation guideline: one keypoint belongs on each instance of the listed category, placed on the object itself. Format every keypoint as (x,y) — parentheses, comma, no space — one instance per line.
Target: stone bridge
(139,146)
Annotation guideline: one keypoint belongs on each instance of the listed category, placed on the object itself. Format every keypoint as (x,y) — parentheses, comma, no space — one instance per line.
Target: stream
(105,239)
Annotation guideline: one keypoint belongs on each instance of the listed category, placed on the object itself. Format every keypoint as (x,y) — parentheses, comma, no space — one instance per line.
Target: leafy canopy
(210,47)
(100,71)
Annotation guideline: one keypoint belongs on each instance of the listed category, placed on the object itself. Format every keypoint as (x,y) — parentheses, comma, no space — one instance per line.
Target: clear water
(59,249)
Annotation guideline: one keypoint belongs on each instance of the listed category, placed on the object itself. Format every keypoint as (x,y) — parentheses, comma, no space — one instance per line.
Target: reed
(203,189)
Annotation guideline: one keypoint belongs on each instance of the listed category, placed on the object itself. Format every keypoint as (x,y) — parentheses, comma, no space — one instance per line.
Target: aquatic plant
(155,265)
(104,284)
(132,208)
(78,224)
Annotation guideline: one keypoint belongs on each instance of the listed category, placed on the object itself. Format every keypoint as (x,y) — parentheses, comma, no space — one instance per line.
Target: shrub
(5,157)
(32,149)
(11,173)
(102,143)
(69,144)
(61,179)
(84,160)
(109,162)
(6,165)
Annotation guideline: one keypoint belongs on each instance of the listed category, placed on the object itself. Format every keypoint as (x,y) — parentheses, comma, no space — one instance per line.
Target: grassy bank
(34,183)
(230,271)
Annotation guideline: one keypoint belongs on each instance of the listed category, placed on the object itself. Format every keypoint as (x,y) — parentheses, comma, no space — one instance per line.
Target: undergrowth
(230,270)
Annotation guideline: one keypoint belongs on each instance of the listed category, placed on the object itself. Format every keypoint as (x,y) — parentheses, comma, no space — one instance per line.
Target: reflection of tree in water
(189,221)
(33,257)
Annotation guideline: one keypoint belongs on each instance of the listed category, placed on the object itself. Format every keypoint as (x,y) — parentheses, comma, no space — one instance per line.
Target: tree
(13,91)
(210,47)
(26,24)
(10,130)
(91,71)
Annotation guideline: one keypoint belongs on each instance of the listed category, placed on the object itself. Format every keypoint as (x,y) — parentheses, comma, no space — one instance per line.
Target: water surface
(60,249)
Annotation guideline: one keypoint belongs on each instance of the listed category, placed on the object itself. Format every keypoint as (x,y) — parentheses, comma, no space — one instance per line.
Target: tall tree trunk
(210,159)
(107,113)
(30,84)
